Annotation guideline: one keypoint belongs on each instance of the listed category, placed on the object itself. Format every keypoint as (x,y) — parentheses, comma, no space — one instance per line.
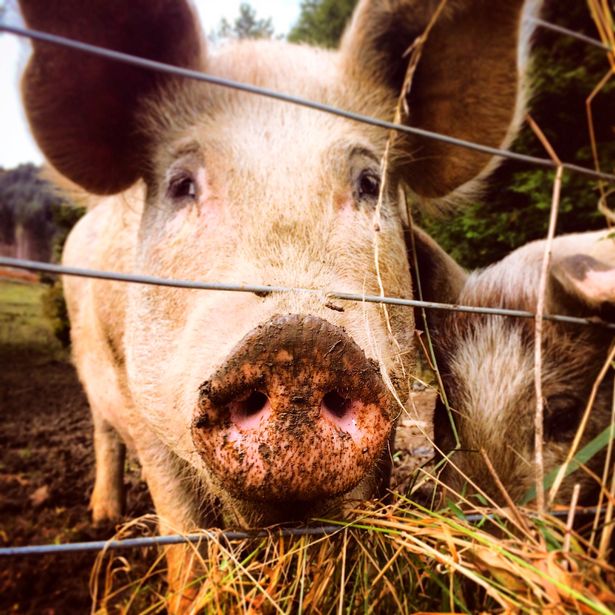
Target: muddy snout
(297,413)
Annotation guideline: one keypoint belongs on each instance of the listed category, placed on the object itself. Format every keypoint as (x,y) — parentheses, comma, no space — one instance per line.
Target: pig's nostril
(249,411)
(335,403)
(253,404)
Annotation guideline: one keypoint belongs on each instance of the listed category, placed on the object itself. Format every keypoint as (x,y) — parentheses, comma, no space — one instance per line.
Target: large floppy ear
(436,277)
(82,108)
(584,282)
(467,82)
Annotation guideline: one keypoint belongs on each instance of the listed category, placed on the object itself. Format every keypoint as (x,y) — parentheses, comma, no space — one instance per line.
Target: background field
(46,461)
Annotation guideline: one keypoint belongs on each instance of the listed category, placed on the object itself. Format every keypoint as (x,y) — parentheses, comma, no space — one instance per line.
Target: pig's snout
(296,413)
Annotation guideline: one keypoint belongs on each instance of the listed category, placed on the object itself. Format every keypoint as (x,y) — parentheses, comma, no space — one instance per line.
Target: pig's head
(285,399)
(487,363)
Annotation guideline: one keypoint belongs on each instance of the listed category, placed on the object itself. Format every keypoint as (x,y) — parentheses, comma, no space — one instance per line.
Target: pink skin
(598,285)
(347,421)
(245,421)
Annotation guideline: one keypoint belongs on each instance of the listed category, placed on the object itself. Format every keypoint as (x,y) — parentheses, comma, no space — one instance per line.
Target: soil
(47,470)
(412,440)
(46,477)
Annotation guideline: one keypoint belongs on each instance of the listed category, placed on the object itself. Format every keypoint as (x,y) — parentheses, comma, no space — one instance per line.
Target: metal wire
(294,100)
(265,289)
(228,535)
(561,30)
(174,539)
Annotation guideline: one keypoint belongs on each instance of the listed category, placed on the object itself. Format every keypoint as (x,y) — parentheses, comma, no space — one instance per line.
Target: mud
(412,440)
(46,477)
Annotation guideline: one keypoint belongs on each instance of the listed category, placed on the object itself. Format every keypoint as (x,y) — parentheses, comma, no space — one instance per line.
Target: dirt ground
(46,474)
(47,468)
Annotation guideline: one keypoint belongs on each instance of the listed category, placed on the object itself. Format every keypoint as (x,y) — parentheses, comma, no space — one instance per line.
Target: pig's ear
(435,275)
(586,284)
(82,108)
(466,85)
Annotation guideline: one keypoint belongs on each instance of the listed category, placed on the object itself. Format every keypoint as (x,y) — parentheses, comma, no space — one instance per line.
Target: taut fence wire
(18,263)
(230,535)
(213,286)
(561,30)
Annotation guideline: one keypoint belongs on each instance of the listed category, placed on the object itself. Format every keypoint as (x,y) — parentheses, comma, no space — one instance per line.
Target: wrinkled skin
(487,365)
(218,185)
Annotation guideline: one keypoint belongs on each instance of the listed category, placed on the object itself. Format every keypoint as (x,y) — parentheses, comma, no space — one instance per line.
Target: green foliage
(515,208)
(22,322)
(65,216)
(55,311)
(595,446)
(247,25)
(34,223)
(322,22)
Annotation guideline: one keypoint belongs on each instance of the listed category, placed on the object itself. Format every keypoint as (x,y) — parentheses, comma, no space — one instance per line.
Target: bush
(65,216)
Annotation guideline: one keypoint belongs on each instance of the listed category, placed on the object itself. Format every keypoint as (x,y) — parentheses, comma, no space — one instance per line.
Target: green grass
(22,322)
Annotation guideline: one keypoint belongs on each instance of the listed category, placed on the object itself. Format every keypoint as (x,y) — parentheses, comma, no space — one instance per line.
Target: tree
(34,223)
(26,223)
(246,25)
(322,22)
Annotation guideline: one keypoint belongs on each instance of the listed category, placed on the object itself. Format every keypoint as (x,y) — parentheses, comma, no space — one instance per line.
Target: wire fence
(113,55)
(233,535)
(567,32)
(18,263)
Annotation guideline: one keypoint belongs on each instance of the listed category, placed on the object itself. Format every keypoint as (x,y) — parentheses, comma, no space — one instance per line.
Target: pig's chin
(251,514)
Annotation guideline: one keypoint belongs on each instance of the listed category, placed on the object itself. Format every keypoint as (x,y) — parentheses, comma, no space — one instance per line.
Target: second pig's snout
(297,412)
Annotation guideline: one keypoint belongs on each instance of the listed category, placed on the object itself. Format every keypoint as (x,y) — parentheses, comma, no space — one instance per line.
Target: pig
(487,363)
(249,409)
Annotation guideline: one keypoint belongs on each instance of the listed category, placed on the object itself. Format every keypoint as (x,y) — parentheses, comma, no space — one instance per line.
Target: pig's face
(489,382)
(289,396)
(487,363)
(220,206)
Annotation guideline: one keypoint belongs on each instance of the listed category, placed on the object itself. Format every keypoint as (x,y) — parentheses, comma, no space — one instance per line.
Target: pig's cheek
(210,332)
(194,219)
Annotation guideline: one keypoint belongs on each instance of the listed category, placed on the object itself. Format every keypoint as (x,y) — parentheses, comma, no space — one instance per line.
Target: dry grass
(395,558)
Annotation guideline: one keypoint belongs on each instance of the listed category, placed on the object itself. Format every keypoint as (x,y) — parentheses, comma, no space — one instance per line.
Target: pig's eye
(368,185)
(562,416)
(182,187)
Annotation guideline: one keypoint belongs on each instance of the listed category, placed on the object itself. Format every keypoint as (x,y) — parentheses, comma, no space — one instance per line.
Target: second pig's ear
(584,285)
(436,276)
(467,82)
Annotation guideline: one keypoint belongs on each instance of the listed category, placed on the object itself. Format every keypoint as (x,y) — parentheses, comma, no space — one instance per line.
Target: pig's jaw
(241,513)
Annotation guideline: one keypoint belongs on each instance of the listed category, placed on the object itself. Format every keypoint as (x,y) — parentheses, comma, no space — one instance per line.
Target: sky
(16,144)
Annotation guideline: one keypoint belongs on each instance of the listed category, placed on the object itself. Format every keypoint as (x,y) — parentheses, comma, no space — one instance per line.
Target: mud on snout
(296,413)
